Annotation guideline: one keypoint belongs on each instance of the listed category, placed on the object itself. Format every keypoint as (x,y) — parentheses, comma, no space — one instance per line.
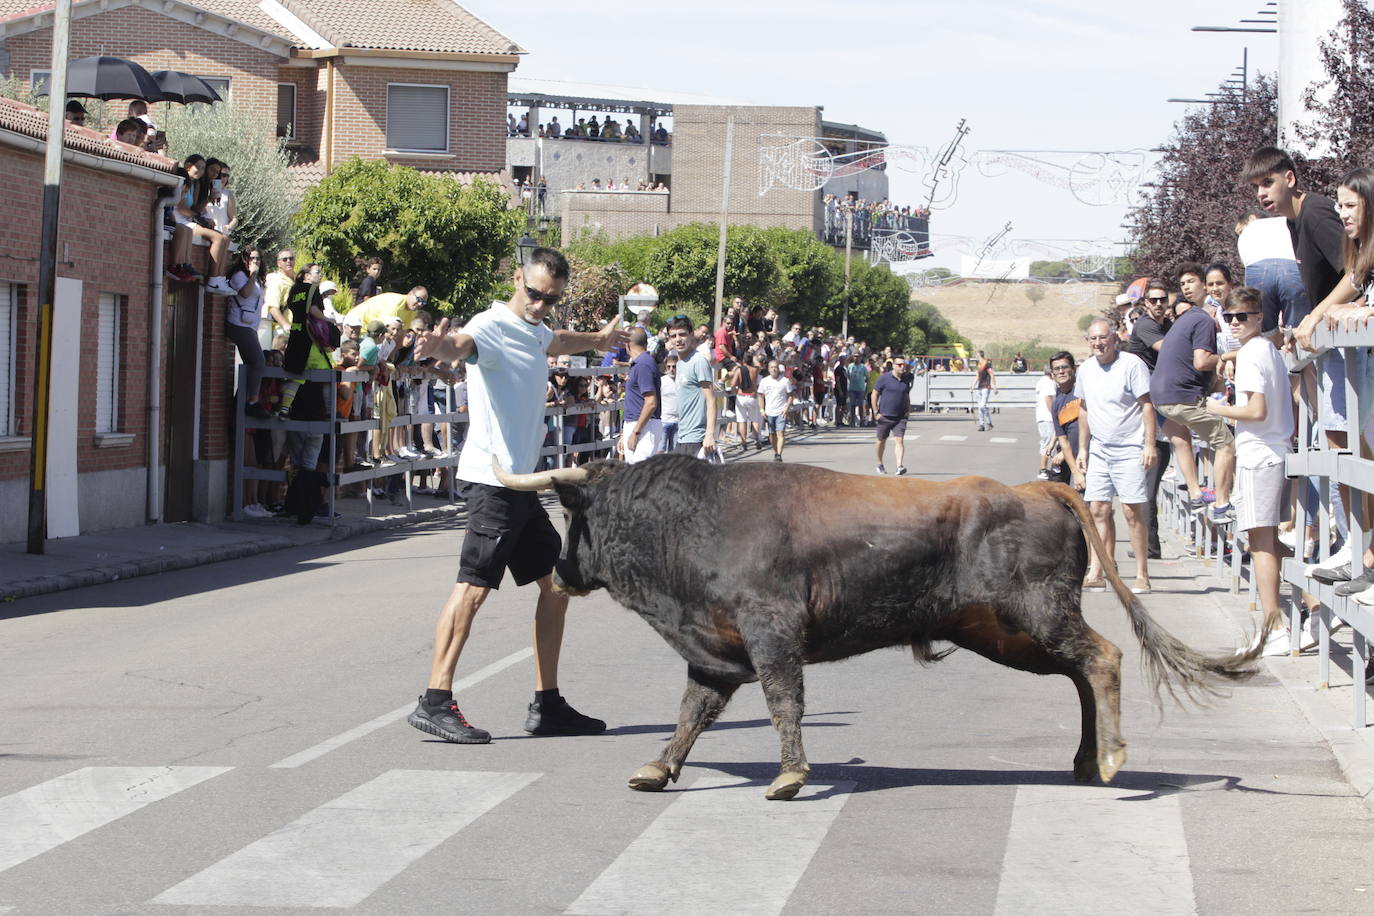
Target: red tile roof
(400,25)
(395,25)
(29,121)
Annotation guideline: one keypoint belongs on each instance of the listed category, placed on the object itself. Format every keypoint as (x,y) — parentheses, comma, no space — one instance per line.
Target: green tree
(1035,293)
(812,276)
(247,141)
(592,294)
(431,230)
(683,264)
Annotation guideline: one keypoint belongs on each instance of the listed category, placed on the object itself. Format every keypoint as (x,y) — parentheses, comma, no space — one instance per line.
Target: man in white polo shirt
(1116,445)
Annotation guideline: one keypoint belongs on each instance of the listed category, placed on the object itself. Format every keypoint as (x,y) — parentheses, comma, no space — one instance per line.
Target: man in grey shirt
(696,396)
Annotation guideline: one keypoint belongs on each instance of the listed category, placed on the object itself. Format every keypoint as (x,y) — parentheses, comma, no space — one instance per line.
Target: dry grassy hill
(990,312)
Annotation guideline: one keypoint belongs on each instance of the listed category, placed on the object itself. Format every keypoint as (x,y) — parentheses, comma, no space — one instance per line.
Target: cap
(1123,299)
(375,327)
(328,288)
(353,321)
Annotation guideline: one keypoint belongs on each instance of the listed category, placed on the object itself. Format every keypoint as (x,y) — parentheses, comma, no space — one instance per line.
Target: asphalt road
(231,739)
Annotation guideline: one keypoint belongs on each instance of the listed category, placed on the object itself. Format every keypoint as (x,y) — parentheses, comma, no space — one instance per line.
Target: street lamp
(525,247)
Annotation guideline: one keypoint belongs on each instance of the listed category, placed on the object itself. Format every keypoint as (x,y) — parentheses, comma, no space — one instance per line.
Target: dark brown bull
(987,567)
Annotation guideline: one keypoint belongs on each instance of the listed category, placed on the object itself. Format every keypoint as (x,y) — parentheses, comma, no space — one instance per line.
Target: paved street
(231,738)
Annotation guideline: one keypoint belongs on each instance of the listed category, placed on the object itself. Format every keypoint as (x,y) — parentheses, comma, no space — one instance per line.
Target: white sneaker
(1311,632)
(1280,642)
(256,511)
(1338,558)
(1289,539)
(1364,597)
(219,286)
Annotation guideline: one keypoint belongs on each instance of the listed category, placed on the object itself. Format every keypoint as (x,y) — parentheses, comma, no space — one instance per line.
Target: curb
(1354,754)
(147,566)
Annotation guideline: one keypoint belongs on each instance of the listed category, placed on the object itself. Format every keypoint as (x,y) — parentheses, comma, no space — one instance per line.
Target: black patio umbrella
(184,88)
(110,78)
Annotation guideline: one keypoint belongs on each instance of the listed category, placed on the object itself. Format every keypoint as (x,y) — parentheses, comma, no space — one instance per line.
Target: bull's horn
(542,480)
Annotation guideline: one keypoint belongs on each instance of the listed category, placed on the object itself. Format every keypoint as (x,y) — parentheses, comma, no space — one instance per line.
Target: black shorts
(507,529)
(895,426)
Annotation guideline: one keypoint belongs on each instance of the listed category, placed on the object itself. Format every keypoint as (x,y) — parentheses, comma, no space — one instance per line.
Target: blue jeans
(669,436)
(1280,283)
(984,411)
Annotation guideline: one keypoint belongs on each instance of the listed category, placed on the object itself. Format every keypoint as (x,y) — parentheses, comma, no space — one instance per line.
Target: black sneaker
(448,723)
(556,717)
(901,470)
(256,411)
(777,457)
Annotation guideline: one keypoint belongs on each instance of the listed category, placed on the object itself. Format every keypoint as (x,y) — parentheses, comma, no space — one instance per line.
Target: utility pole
(724,218)
(47,277)
(848,252)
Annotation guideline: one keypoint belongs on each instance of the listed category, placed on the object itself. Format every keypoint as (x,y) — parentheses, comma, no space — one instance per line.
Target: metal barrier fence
(336,426)
(1313,469)
(1321,465)
(943,391)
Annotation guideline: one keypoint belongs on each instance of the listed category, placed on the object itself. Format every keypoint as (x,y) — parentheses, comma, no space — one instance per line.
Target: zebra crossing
(714,844)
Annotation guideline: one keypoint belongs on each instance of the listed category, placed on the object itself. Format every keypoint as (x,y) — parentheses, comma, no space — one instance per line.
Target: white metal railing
(336,426)
(1322,465)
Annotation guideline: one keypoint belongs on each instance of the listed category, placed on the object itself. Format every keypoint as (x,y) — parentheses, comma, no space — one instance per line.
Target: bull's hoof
(1085,769)
(1111,763)
(649,778)
(786,786)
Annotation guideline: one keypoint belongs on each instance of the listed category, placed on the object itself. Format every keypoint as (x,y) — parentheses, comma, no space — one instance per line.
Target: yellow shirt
(381,307)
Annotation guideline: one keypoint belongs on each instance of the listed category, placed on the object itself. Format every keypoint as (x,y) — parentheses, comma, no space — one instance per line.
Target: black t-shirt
(1144,335)
(1317,240)
(1066,410)
(367,288)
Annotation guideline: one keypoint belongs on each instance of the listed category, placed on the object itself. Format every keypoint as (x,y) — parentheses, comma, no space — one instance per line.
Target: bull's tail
(1168,663)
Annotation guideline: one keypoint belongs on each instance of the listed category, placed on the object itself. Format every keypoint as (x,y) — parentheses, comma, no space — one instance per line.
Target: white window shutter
(417,117)
(107,365)
(8,307)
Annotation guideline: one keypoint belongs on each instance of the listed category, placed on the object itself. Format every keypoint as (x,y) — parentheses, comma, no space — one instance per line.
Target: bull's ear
(575,497)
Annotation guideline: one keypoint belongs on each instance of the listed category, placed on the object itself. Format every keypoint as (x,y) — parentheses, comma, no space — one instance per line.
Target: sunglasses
(536,296)
(421,300)
(1242,317)
(1157,300)
(286,259)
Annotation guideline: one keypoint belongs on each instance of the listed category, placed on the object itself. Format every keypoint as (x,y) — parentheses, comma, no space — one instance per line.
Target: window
(417,118)
(38,80)
(286,110)
(218,83)
(107,364)
(9,309)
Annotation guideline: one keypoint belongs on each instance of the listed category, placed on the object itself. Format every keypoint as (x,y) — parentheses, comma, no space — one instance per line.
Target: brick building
(420,83)
(99,440)
(697,167)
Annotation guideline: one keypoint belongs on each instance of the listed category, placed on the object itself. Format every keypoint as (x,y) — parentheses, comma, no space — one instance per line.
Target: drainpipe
(329,116)
(155,363)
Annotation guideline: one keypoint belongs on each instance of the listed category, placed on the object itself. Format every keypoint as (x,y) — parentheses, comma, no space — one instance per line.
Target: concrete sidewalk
(124,553)
(1328,707)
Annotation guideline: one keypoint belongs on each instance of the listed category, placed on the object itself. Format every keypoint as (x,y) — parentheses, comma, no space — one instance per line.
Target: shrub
(432,231)
(247,141)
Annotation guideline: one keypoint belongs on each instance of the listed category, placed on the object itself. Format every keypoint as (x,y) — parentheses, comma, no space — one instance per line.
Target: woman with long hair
(191,223)
(241,319)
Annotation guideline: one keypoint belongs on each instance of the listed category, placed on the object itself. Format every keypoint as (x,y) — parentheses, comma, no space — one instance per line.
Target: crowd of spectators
(625,184)
(869,216)
(607,130)
(1195,375)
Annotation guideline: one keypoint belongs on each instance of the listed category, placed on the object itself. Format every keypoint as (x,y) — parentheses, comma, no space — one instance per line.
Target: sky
(1045,75)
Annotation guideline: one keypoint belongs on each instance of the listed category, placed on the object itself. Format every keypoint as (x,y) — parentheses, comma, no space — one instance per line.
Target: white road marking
(953,438)
(341,852)
(1072,847)
(720,847)
(47,815)
(1002,439)
(367,728)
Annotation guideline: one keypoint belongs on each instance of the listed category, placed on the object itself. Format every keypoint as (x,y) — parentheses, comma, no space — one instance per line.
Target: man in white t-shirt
(1264,428)
(1116,446)
(776,391)
(506,350)
(1045,390)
